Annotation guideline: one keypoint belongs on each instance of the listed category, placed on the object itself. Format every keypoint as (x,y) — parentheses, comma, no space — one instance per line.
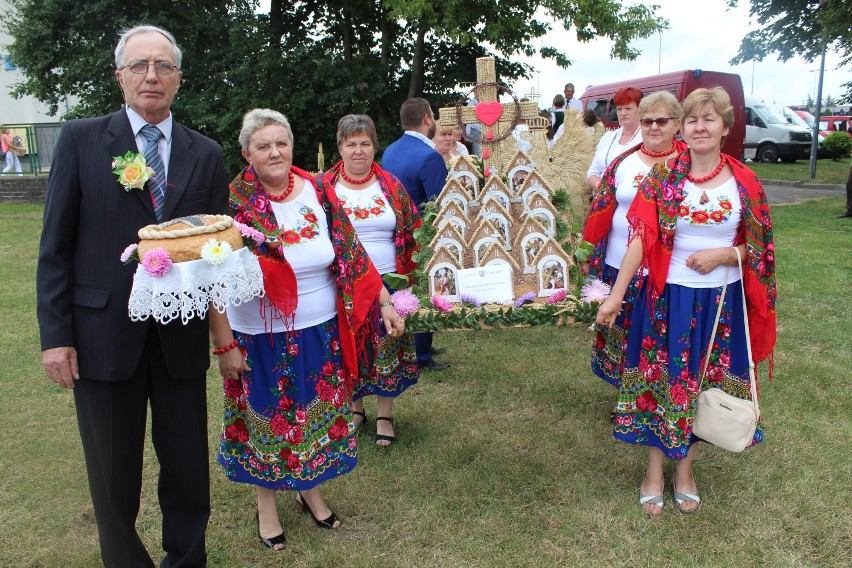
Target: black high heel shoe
(303,507)
(273,542)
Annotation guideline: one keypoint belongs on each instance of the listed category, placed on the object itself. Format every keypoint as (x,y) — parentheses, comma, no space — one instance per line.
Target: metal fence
(39,143)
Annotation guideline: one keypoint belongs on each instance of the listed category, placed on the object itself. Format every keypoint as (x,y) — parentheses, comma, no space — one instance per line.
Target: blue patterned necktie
(157,184)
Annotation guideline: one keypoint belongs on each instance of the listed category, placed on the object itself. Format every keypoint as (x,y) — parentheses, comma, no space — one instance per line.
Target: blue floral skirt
(610,342)
(287,421)
(395,364)
(664,357)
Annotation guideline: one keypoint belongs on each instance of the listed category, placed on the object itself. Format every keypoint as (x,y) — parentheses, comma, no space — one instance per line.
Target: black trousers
(112,419)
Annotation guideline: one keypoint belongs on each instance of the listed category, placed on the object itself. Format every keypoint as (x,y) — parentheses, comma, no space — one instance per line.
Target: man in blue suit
(421,169)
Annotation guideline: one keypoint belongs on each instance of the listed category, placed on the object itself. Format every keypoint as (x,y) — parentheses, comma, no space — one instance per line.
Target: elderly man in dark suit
(114,366)
(422,172)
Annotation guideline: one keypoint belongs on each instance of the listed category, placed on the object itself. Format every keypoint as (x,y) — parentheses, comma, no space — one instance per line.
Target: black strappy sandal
(303,507)
(275,541)
(383,437)
(364,420)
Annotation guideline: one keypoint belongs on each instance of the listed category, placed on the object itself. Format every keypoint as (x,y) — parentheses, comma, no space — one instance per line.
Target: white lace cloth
(188,287)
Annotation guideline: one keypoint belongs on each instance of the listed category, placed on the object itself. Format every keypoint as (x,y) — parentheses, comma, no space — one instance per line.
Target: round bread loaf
(183,237)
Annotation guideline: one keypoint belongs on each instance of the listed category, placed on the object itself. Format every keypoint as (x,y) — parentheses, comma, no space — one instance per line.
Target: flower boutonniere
(132,171)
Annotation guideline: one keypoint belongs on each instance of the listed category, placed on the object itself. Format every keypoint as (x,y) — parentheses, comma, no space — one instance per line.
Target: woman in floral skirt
(288,385)
(385,219)
(687,216)
(606,231)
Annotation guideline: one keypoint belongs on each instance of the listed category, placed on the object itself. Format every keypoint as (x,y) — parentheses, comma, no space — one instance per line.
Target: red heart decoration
(486,154)
(489,135)
(489,113)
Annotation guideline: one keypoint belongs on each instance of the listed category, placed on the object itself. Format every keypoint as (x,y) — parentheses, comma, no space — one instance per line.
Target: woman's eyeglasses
(662,121)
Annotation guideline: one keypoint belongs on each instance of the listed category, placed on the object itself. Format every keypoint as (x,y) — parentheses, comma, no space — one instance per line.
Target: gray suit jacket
(89,219)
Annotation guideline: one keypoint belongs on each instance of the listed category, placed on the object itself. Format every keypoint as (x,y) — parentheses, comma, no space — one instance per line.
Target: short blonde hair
(441,130)
(256,119)
(717,97)
(660,98)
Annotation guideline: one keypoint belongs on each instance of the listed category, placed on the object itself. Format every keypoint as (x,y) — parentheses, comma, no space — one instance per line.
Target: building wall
(26,110)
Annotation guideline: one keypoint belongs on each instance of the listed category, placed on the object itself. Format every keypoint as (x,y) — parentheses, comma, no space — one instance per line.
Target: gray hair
(145,29)
(661,98)
(256,119)
(354,124)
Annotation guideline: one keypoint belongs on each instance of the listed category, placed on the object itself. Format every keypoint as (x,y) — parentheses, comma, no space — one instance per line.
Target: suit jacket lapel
(182,164)
(119,141)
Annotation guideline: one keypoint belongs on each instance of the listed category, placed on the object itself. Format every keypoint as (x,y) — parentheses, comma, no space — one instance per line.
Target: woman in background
(384,218)
(615,142)
(607,229)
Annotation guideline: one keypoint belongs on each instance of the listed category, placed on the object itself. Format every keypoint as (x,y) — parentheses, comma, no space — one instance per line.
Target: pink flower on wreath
(557,296)
(442,303)
(405,302)
(595,291)
(156,262)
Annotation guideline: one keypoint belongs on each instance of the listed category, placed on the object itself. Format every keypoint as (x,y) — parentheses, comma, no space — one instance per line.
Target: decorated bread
(184,237)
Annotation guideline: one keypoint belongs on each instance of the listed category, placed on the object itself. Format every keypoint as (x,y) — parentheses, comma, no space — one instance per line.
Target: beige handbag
(720,418)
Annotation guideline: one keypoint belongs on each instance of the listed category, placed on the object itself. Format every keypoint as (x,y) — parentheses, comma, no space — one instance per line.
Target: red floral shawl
(653,216)
(358,282)
(599,223)
(407,216)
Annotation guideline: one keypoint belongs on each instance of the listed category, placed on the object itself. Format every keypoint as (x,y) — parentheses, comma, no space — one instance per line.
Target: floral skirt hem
(663,358)
(286,423)
(609,345)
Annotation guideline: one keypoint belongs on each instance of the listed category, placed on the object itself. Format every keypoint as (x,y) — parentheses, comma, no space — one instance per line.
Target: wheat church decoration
(496,237)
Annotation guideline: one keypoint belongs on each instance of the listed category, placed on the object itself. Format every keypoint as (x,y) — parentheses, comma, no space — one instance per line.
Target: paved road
(785,192)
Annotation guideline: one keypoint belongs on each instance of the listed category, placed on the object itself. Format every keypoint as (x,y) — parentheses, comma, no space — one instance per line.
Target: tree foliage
(314,61)
(798,27)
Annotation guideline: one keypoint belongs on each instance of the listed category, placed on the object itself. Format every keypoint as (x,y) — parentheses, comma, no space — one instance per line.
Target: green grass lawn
(827,171)
(506,460)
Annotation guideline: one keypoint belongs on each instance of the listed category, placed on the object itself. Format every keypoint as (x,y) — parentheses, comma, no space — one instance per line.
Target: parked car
(809,120)
(793,117)
(769,136)
(835,123)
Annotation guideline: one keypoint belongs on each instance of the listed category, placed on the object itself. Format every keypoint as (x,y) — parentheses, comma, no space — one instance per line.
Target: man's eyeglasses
(141,67)
(662,121)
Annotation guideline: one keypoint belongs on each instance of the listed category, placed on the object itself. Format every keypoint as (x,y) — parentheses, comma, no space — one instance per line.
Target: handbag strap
(751,373)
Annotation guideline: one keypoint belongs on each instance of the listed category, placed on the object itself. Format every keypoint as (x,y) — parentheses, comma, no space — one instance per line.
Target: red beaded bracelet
(225,349)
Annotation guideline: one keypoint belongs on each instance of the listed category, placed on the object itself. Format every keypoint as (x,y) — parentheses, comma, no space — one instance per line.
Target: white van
(769,136)
(794,118)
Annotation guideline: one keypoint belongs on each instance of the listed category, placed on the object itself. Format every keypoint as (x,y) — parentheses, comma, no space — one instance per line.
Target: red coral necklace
(648,152)
(288,191)
(711,175)
(354,181)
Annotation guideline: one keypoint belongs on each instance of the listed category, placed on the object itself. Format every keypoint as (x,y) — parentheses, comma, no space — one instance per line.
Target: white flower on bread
(215,252)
